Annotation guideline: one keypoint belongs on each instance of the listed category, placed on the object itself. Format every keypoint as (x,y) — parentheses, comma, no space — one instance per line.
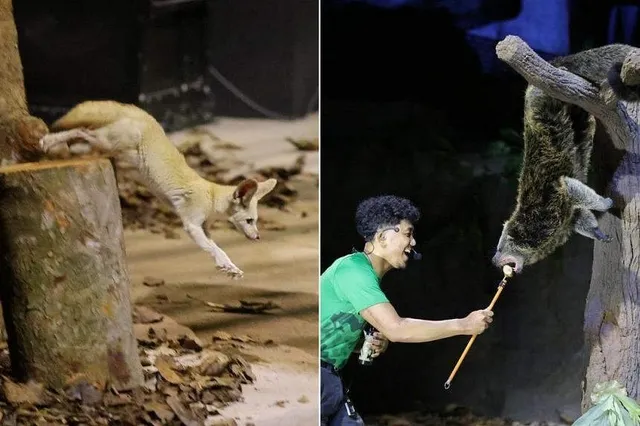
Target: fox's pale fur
(132,134)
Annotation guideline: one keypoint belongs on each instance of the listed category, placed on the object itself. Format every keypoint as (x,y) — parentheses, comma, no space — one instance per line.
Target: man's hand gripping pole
(508,273)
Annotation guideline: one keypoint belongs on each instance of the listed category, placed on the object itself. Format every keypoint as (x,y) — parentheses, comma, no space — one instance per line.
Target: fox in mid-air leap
(132,134)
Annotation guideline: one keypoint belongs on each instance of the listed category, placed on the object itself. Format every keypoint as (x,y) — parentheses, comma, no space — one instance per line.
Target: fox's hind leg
(52,142)
(119,136)
(585,197)
(122,135)
(586,224)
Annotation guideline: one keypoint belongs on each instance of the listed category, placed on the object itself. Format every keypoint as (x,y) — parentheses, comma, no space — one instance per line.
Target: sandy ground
(282,268)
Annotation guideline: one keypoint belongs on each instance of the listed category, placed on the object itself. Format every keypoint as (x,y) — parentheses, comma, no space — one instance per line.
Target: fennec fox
(130,133)
(554,200)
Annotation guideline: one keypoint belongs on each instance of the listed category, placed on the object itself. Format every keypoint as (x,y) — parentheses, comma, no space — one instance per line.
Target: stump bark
(19,131)
(64,281)
(612,311)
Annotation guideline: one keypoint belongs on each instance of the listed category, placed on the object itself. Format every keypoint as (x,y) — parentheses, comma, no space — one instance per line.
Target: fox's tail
(90,115)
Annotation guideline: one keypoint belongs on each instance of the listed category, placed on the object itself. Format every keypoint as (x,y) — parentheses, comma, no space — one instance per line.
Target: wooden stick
(507,273)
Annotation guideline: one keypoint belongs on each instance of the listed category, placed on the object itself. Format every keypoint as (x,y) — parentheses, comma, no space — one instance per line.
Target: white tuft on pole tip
(507,270)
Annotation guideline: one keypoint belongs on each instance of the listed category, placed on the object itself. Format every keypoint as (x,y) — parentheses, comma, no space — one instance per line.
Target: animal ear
(266,187)
(245,191)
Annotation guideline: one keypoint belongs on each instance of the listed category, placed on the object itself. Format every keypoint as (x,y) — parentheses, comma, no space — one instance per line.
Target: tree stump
(612,312)
(64,281)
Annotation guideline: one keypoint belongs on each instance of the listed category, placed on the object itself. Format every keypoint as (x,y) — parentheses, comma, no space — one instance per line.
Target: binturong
(553,198)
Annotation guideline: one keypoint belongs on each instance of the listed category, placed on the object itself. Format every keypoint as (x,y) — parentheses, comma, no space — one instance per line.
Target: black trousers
(333,399)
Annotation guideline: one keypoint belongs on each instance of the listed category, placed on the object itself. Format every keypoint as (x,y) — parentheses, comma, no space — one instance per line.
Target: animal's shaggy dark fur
(553,198)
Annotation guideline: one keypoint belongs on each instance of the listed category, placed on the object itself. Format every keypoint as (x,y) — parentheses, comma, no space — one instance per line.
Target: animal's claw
(609,203)
(602,236)
(231,270)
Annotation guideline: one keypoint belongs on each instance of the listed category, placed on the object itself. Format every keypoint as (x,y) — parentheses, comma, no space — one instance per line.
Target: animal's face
(396,244)
(510,251)
(527,239)
(243,211)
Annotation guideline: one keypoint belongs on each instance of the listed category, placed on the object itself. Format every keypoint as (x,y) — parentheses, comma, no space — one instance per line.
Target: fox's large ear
(266,187)
(245,191)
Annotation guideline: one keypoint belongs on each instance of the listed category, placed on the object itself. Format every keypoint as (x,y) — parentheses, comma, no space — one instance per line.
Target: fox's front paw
(230,269)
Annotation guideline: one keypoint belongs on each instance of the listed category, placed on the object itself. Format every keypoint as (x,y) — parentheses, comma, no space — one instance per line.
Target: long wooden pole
(508,272)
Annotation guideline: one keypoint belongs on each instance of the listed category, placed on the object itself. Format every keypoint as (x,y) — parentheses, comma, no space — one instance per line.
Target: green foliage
(612,407)
(509,149)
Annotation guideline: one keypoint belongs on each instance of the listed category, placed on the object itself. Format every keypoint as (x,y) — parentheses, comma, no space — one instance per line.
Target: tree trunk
(65,286)
(19,131)
(612,311)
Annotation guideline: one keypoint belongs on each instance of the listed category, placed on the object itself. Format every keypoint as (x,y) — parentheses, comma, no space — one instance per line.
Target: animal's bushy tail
(623,91)
(90,114)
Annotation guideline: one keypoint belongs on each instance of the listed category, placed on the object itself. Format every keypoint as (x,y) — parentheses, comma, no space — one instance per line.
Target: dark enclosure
(184,61)
(416,103)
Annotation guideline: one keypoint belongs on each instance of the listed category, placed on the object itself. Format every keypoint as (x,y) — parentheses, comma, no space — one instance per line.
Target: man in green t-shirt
(350,296)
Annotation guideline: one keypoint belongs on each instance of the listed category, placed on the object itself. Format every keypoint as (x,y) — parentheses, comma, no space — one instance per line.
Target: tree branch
(556,82)
(630,73)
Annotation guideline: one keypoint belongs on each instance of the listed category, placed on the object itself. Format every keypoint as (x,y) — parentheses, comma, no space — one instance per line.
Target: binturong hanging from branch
(601,83)
(554,200)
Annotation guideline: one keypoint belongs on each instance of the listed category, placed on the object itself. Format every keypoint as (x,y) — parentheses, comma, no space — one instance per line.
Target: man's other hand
(379,344)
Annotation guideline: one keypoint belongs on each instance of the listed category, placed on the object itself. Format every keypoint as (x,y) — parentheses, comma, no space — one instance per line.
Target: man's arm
(384,317)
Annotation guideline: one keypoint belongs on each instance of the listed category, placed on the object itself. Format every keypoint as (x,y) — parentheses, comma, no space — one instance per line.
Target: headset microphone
(416,255)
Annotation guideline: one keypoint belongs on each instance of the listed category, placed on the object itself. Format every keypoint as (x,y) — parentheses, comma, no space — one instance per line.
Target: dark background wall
(185,61)
(415,103)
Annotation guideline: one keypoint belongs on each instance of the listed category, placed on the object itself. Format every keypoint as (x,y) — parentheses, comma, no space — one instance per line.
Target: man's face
(397,243)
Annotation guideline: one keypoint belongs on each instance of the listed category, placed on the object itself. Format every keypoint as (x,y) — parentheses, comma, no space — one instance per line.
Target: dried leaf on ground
(305,144)
(214,364)
(145,315)
(152,281)
(273,226)
(242,306)
(165,368)
(190,343)
(30,393)
(160,411)
(186,416)
(84,392)
(185,384)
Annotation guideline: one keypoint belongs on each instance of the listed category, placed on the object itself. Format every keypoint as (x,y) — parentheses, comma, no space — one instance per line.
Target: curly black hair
(382,211)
